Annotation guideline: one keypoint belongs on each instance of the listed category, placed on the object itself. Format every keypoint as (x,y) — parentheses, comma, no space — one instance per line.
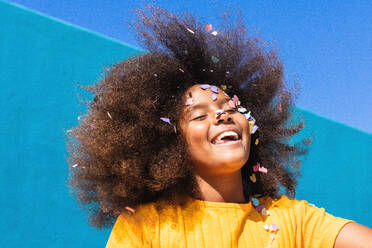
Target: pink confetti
(180,69)
(235,99)
(273,227)
(75,165)
(189,102)
(130,209)
(280,107)
(263,170)
(256,167)
(232,104)
(260,207)
(191,31)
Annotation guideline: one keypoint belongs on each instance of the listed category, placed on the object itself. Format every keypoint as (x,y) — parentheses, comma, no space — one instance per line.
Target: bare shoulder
(354,235)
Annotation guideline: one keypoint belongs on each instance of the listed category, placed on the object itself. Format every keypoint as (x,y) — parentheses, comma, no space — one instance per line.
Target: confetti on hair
(109,115)
(236,100)
(253,178)
(215,59)
(211,70)
(205,86)
(180,69)
(255,201)
(165,120)
(242,110)
(155,75)
(189,102)
(191,31)
(214,33)
(92,126)
(260,207)
(273,227)
(227,72)
(75,165)
(203,69)
(263,170)
(69,131)
(214,97)
(130,209)
(214,89)
(208,27)
(256,167)
(257,141)
(280,107)
(186,52)
(248,115)
(223,87)
(254,129)
(265,43)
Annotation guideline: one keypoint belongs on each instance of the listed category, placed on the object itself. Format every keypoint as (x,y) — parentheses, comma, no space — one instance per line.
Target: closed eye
(201,117)
(231,111)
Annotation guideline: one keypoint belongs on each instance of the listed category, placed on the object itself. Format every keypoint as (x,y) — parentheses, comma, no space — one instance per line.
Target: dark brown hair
(122,154)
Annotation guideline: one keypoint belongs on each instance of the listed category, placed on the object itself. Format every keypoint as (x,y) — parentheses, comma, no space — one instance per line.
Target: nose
(222,116)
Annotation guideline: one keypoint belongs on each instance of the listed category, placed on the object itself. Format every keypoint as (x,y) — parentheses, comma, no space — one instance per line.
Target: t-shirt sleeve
(319,228)
(125,233)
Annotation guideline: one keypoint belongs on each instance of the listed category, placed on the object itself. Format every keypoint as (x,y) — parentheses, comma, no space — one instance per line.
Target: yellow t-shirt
(217,224)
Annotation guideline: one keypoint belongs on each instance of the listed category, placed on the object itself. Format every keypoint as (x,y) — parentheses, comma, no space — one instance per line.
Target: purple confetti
(214,97)
(155,74)
(214,89)
(260,207)
(165,120)
(227,72)
(205,86)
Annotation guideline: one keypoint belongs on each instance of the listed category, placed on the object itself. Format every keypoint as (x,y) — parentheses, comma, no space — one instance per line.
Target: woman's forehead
(200,95)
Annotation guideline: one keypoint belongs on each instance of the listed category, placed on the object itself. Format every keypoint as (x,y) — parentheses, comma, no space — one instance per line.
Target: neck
(222,188)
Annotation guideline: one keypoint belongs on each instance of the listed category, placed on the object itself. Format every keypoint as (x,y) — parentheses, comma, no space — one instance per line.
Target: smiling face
(218,141)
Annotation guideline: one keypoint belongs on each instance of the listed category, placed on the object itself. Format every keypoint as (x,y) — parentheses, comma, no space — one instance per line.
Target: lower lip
(229,143)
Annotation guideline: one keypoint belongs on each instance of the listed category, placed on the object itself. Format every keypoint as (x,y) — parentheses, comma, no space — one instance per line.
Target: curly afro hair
(121,154)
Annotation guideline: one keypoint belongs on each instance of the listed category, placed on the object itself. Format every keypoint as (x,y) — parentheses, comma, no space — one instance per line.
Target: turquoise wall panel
(41,60)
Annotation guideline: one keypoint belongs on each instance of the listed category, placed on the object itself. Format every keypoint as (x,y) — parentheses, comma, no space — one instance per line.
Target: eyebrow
(203,105)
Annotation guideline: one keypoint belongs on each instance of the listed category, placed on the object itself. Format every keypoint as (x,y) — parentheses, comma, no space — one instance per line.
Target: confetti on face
(257,141)
(75,165)
(165,120)
(191,31)
(208,27)
(260,207)
(214,97)
(205,86)
(273,227)
(180,69)
(215,59)
(214,33)
(242,110)
(232,104)
(256,167)
(189,102)
(214,89)
(255,201)
(130,209)
(109,115)
(253,178)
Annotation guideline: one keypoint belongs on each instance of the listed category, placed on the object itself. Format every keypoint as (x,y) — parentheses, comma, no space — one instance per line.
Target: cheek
(197,132)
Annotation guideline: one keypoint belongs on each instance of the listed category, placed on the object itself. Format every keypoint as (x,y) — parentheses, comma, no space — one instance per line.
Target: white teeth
(227,133)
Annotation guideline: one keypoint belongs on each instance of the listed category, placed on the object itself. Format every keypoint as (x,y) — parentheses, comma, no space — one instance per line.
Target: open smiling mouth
(228,137)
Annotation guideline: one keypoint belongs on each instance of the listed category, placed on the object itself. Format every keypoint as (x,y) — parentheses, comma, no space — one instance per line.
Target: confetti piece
(211,70)
(69,131)
(75,165)
(214,33)
(265,43)
(215,59)
(165,120)
(223,87)
(205,86)
(260,207)
(248,115)
(227,72)
(186,52)
(257,141)
(92,126)
(180,69)
(214,89)
(191,31)
(280,107)
(130,209)
(264,212)
(214,97)
(242,110)
(189,102)
(254,129)
(253,178)
(232,104)
(109,115)
(263,170)
(236,100)
(273,227)
(208,27)
(203,69)
(252,119)
(266,227)
(256,167)
(155,74)
(255,201)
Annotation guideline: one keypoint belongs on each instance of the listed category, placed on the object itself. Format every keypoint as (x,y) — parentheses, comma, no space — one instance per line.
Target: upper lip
(226,130)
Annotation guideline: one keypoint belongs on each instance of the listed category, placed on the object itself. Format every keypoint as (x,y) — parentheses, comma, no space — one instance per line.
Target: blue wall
(41,60)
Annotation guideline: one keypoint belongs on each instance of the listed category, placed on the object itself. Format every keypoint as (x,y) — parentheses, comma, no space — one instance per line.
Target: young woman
(188,146)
